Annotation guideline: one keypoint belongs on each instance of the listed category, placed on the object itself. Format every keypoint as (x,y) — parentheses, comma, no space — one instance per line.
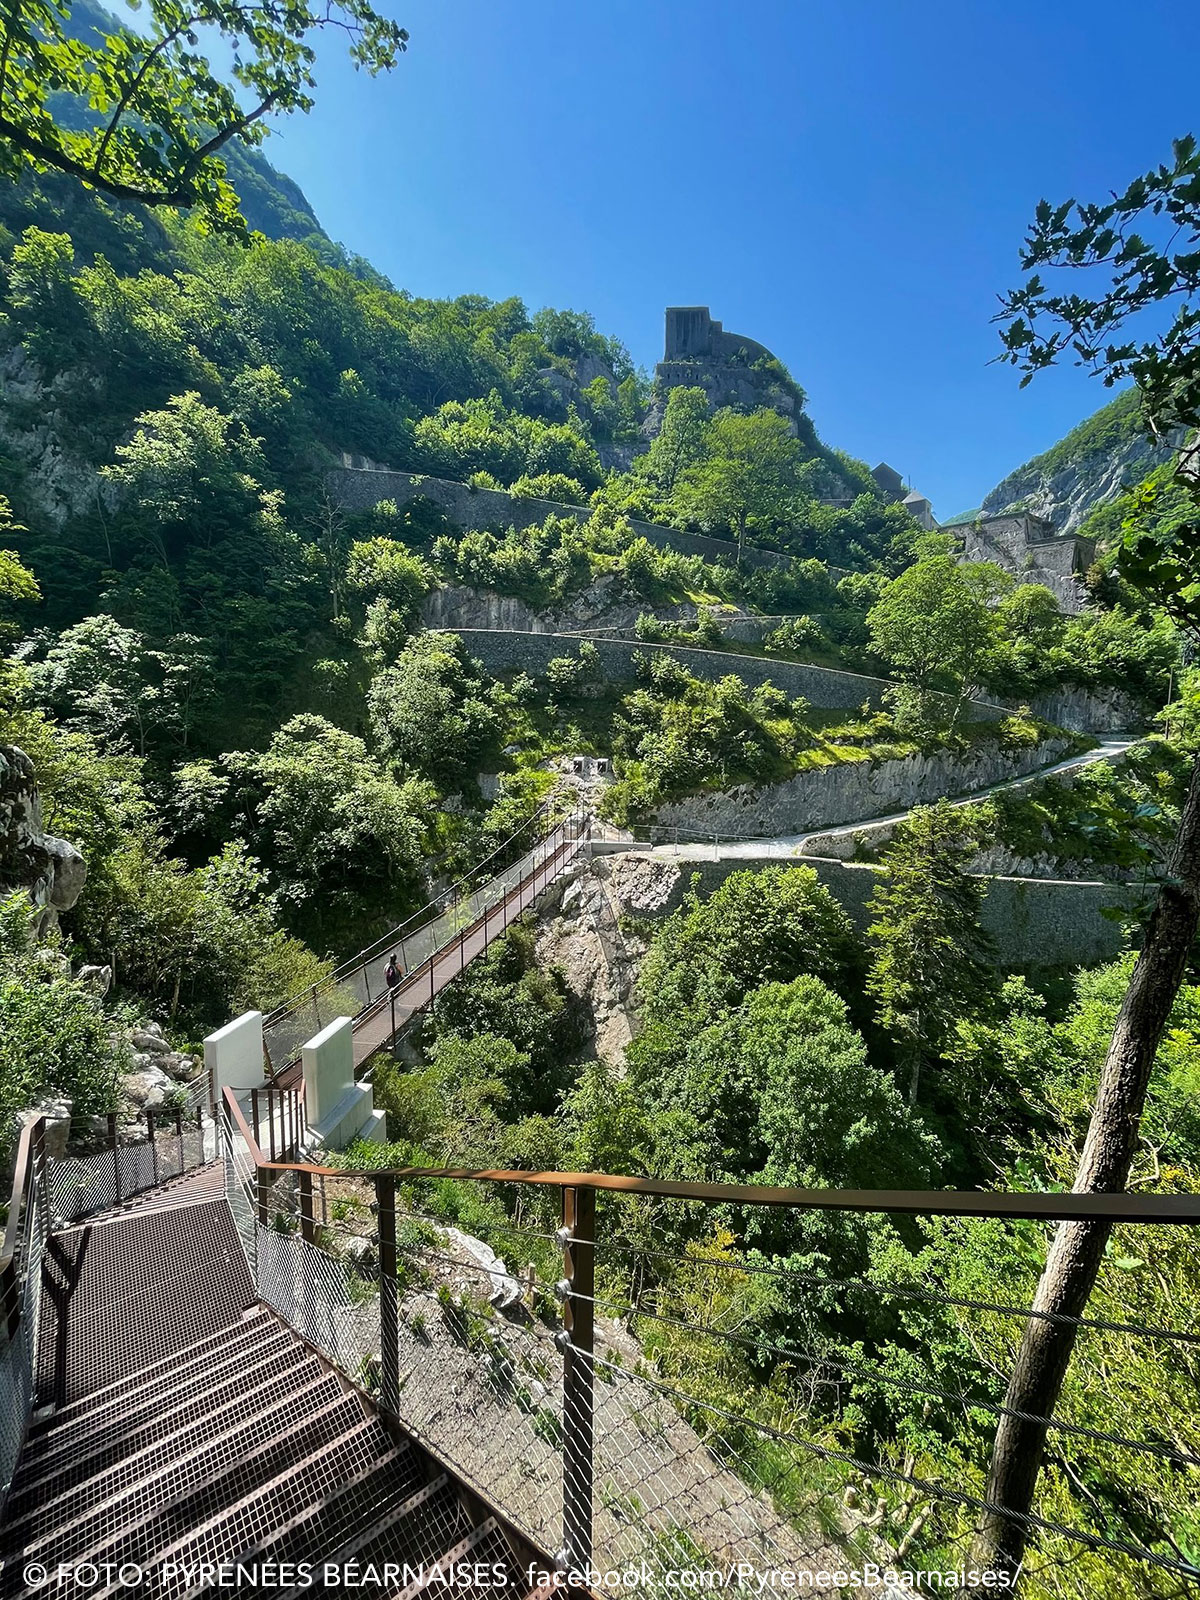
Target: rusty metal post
(254,1111)
(153,1143)
(366,976)
(114,1144)
(273,1100)
(200,1134)
(308,1226)
(578,1344)
(389,1297)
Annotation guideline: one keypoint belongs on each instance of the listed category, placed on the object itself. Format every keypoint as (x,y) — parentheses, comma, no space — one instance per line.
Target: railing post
(200,1136)
(179,1135)
(389,1299)
(114,1144)
(308,1227)
(153,1143)
(10,1299)
(254,1110)
(366,976)
(579,1257)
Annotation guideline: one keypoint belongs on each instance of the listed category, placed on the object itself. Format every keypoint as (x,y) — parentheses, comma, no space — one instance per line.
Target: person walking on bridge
(393,973)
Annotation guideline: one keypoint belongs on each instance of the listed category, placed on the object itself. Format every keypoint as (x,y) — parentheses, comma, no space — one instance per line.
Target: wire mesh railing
(24,1239)
(109,1162)
(717,1379)
(360,985)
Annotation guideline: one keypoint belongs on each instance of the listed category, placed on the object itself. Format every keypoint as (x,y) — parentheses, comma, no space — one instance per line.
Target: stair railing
(648,1457)
(25,1234)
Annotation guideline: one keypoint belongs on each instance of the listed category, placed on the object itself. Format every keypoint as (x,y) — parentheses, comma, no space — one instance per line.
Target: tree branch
(135,84)
(218,140)
(62,162)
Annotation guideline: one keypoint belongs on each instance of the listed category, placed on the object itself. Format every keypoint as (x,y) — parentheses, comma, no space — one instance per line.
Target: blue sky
(847,181)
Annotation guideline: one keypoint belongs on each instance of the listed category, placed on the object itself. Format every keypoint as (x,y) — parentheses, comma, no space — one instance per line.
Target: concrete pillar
(328,1060)
(339,1110)
(234,1054)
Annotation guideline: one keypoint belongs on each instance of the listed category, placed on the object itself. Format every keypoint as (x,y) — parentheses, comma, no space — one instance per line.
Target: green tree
(157,115)
(930,956)
(341,836)
(748,477)
(679,442)
(429,711)
(756,927)
(385,569)
(935,627)
(1138,275)
(107,680)
(55,1038)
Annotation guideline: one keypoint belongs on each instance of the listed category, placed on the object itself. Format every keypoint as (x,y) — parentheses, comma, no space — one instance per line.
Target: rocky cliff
(50,869)
(1090,466)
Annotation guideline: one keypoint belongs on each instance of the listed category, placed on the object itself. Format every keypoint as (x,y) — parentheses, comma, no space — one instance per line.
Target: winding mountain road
(713,848)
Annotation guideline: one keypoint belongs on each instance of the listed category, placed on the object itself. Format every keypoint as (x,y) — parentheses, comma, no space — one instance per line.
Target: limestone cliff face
(52,870)
(57,483)
(1090,466)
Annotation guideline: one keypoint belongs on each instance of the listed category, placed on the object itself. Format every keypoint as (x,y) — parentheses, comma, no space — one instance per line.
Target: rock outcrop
(50,869)
(1090,466)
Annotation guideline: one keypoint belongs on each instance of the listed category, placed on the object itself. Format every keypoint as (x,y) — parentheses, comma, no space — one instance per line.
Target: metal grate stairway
(181,1424)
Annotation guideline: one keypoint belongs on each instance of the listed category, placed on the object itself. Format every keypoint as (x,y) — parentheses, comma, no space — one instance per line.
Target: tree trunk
(1078,1248)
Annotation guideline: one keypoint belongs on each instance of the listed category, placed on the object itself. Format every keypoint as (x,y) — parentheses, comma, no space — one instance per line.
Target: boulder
(51,870)
(181,1067)
(146,1088)
(154,1043)
(98,979)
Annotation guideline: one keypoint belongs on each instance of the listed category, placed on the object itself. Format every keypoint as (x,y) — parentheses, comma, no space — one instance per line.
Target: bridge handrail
(417,920)
(1007,1205)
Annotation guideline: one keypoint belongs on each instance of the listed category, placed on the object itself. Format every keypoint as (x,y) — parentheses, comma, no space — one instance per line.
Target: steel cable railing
(358,985)
(638,1410)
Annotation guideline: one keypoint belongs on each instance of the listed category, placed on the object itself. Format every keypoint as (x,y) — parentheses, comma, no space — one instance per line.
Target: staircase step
(166,1435)
(484,1548)
(143,1516)
(296,1495)
(197,1386)
(343,1511)
(208,1370)
(413,1533)
(158,1372)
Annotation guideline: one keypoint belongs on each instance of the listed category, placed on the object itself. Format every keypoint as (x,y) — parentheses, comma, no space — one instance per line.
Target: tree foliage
(145,117)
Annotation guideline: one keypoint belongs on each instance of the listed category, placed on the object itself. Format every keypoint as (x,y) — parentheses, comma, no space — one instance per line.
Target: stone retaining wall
(1034,922)
(361,488)
(504,650)
(825,797)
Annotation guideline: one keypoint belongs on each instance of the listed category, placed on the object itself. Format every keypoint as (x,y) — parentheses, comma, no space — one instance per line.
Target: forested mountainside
(246,706)
(1088,468)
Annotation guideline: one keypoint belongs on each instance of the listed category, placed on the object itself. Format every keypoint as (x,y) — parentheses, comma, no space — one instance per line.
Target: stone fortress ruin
(734,370)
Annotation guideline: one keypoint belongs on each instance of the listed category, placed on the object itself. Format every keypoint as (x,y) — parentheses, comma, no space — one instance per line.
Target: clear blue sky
(847,181)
